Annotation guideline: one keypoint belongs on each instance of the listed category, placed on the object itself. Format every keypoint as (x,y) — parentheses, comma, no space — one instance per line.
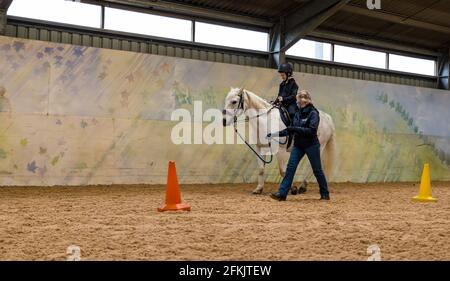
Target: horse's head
(234,106)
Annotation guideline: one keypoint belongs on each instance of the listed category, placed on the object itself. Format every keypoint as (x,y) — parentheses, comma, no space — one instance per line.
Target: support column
(4,5)
(276,42)
(2,22)
(443,71)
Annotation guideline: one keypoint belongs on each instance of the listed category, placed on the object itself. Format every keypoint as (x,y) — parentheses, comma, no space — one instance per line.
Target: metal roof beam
(4,4)
(289,30)
(308,18)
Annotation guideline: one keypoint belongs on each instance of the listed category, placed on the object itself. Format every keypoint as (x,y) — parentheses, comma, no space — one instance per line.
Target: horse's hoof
(301,190)
(294,190)
(304,184)
(257,192)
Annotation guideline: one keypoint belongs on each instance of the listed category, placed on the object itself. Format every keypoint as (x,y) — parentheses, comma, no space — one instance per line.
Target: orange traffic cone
(425,187)
(173,196)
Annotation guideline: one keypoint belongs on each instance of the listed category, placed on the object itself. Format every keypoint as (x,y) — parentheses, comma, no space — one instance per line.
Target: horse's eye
(234,102)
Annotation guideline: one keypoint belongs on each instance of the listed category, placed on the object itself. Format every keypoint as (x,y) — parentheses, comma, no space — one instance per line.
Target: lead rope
(252,149)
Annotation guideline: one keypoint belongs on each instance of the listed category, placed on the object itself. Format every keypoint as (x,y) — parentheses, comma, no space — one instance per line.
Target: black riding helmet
(286,68)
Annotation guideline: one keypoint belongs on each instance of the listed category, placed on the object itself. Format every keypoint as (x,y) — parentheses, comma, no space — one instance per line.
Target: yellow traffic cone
(425,187)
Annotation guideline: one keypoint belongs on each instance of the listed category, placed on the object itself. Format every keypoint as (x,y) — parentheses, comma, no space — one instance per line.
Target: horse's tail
(330,155)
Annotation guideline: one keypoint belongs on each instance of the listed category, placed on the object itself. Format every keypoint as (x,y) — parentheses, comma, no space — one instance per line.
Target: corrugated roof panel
(411,35)
(354,23)
(439,14)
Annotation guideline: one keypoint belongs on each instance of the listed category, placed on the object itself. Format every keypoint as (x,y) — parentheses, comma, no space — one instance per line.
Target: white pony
(260,113)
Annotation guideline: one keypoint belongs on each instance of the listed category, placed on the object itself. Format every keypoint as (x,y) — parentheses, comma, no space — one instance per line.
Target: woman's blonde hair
(306,94)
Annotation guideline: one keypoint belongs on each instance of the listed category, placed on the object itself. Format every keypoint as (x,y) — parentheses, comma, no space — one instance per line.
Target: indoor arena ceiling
(421,24)
(417,23)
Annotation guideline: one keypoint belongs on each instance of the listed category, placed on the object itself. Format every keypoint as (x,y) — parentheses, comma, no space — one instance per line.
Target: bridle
(240,106)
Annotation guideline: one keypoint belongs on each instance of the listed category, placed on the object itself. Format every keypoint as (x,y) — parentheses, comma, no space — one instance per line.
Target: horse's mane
(256,101)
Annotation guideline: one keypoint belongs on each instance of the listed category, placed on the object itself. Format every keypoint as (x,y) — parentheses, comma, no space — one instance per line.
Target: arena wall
(75,115)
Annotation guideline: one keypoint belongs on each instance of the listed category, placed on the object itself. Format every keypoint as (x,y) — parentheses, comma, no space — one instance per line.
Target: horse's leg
(261,178)
(283,157)
(304,184)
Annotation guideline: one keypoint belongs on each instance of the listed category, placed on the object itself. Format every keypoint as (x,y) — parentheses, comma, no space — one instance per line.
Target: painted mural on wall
(73,115)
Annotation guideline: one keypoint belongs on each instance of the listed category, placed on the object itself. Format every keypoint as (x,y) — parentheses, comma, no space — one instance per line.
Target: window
(140,23)
(61,11)
(311,49)
(231,37)
(359,56)
(413,65)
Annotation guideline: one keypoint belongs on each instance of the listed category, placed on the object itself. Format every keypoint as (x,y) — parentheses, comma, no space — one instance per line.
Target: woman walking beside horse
(304,127)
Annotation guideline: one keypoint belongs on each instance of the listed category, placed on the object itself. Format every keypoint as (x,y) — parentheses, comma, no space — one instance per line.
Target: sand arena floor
(226,223)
